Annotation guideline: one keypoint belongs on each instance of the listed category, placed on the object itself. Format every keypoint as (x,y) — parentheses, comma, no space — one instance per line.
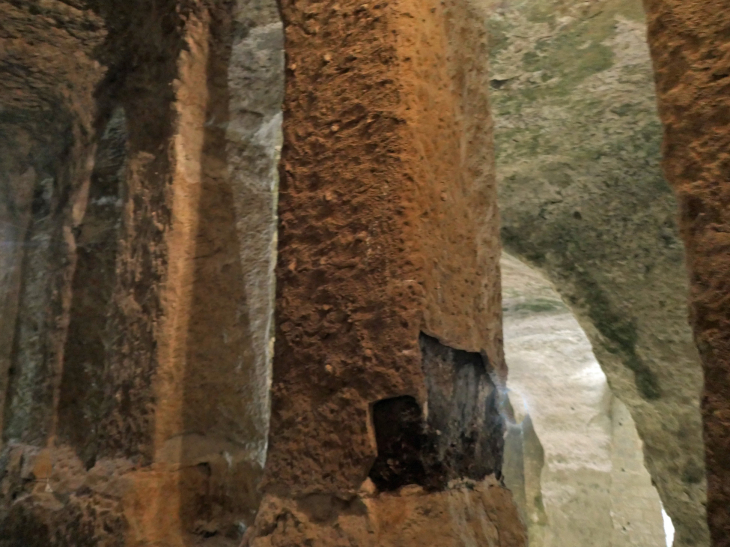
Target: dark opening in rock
(463,436)
(463,411)
(400,434)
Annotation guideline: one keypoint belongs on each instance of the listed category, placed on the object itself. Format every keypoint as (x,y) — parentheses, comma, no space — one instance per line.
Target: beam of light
(668,528)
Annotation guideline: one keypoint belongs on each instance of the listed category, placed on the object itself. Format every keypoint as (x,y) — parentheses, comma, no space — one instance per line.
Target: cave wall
(387,283)
(138,201)
(46,138)
(583,198)
(139,210)
(690,45)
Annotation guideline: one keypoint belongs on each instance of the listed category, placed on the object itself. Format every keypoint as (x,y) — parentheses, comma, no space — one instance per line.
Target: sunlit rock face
(573,456)
(582,197)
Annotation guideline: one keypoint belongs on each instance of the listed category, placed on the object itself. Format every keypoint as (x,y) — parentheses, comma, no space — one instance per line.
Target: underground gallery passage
(429,273)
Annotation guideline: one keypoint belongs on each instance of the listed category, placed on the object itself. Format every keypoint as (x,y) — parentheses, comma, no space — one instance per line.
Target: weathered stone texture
(469,514)
(136,307)
(388,229)
(690,44)
(359,273)
(47,131)
(583,198)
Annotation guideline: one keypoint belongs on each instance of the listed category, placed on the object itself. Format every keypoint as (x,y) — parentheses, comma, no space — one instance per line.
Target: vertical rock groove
(139,143)
(82,389)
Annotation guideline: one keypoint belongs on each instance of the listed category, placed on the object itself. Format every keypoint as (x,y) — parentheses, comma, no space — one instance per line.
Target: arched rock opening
(573,458)
(583,198)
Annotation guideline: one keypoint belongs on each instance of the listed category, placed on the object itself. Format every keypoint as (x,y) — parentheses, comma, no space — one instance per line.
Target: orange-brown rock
(466,514)
(690,44)
(138,143)
(136,303)
(388,294)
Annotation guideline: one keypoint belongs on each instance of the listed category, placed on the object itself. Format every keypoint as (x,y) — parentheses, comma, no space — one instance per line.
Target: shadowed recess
(463,436)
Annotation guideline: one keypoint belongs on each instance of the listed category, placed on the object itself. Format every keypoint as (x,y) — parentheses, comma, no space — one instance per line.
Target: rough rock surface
(573,452)
(388,234)
(582,198)
(370,250)
(690,44)
(468,514)
(138,148)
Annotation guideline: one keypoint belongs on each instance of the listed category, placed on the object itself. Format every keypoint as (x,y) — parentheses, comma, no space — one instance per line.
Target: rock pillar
(137,204)
(388,364)
(690,45)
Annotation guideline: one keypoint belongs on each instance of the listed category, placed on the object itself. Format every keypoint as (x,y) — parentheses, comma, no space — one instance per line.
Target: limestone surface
(582,198)
(577,455)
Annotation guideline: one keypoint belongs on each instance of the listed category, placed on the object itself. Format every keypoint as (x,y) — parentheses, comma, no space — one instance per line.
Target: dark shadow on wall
(81,396)
(463,435)
(45,262)
(401,440)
